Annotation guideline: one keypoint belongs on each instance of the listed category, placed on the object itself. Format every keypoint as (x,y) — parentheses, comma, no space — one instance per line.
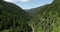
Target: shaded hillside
(13,18)
(47,19)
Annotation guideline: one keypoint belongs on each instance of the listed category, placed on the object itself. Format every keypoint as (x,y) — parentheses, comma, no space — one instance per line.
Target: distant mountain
(33,11)
(47,19)
(13,18)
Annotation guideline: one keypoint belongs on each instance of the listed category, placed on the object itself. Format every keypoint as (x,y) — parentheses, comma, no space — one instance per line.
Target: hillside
(47,19)
(13,18)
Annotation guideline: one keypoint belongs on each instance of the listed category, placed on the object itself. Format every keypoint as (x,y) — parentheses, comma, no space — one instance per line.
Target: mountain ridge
(47,19)
(33,11)
(13,18)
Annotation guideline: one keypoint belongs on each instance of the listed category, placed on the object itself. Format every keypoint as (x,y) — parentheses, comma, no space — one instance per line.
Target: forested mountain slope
(47,19)
(13,18)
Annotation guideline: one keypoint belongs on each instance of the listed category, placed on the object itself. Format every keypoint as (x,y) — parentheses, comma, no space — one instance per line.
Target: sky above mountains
(28,4)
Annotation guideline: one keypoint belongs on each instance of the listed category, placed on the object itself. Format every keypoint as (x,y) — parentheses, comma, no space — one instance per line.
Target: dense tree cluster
(13,18)
(47,19)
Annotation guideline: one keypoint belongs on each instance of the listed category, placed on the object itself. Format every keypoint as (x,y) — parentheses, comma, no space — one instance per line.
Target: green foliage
(13,18)
(47,19)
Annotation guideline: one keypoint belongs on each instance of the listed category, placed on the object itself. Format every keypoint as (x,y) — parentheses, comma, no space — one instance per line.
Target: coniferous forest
(43,19)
